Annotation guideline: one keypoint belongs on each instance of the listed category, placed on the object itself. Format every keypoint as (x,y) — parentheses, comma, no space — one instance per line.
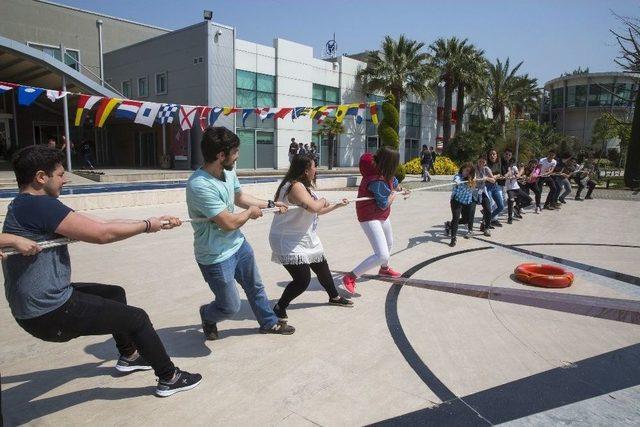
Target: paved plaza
(403,355)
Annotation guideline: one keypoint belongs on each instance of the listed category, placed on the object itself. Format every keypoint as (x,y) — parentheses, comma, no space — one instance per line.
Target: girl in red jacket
(379,183)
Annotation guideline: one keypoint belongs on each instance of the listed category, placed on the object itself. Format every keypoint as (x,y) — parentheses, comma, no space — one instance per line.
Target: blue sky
(550,36)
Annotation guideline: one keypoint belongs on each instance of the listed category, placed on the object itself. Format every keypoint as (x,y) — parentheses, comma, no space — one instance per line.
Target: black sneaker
(562,201)
(137,364)
(279,328)
(578,199)
(182,381)
(447,228)
(209,329)
(496,223)
(452,243)
(549,208)
(341,302)
(588,198)
(509,221)
(280,312)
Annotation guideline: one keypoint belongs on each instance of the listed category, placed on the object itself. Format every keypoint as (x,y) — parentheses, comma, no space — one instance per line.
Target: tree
(472,75)
(447,57)
(506,90)
(399,68)
(387,129)
(331,129)
(629,60)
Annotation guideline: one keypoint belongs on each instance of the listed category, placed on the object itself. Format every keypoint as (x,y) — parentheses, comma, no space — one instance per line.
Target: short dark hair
(29,160)
(551,150)
(424,146)
(217,139)
(507,150)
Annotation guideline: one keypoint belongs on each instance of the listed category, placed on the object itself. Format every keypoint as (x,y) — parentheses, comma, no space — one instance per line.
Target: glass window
(265,99)
(624,95)
(266,83)
(265,149)
(581,96)
(245,80)
(571,96)
(318,92)
(143,89)
(245,98)
(161,83)
(412,114)
(71,59)
(247,148)
(600,95)
(331,95)
(126,88)
(556,98)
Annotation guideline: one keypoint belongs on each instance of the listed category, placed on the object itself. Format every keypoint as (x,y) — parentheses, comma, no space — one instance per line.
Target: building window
(624,95)
(556,98)
(571,96)
(324,95)
(413,114)
(600,95)
(411,149)
(143,87)
(581,96)
(72,58)
(126,88)
(161,83)
(372,129)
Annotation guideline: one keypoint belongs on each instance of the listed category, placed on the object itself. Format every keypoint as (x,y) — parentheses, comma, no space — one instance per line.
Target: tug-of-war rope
(47,244)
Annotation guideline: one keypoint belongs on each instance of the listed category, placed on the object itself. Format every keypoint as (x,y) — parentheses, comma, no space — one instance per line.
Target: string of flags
(148,113)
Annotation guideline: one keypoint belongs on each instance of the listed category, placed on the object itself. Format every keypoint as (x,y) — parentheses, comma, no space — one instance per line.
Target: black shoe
(481,226)
(468,234)
(137,364)
(341,302)
(562,201)
(209,329)
(496,223)
(509,221)
(280,312)
(447,228)
(279,328)
(424,180)
(452,243)
(557,205)
(182,381)
(578,199)
(588,198)
(549,208)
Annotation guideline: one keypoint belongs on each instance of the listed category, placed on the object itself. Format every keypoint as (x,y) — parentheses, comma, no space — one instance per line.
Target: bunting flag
(282,113)
(104,109)
(213,116)
(187,115)
(128,110)
(246,112)
(85,103)
(27,95)
(5,87)
(54,95)
(147,113)
(323,112)
(297,112)
(267,113)
(373,109)
(228,110)
(204,117)
(166,112)
(341,112)
(360,114)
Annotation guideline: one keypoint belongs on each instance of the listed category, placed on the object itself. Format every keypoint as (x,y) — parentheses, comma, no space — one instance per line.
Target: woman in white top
(514,192)
(293,239)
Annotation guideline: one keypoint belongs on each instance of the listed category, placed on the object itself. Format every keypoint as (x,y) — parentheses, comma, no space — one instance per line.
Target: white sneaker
(537,209)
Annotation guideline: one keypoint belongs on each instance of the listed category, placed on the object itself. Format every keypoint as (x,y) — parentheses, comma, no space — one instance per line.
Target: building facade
(573,103)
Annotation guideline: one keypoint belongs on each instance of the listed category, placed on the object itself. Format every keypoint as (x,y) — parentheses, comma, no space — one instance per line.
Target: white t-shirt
(546,165)
(512,182)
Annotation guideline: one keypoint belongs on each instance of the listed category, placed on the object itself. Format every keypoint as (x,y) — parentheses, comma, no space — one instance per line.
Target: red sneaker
(349,283)
(388,272)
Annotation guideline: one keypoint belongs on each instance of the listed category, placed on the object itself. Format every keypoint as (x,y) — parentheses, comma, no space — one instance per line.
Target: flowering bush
(413,167)
(445,166)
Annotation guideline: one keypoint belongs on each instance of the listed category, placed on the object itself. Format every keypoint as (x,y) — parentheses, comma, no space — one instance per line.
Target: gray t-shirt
(482,173)
(36,285)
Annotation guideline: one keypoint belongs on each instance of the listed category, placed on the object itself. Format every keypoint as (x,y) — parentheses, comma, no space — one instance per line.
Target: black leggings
(95,309)
(581,183)
(533,186)
(466,211)
(301,274)
(521,199)
(553,189)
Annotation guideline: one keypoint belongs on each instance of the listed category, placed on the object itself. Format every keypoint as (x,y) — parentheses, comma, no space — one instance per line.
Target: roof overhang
(25,65)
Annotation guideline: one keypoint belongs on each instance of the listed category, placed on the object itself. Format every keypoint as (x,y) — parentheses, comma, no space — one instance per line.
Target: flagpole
(65,112)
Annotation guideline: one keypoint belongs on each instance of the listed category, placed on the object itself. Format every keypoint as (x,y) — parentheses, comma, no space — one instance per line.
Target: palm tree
(447,57)
(399,68)
(471,75)
(506,90)
(331,129)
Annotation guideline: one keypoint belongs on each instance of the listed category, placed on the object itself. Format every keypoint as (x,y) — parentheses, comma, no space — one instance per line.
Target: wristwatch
(271,204)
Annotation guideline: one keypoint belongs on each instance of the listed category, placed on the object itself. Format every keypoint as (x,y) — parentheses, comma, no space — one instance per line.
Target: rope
(47,244)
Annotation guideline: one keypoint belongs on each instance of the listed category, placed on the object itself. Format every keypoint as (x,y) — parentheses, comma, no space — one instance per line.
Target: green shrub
(400,173)
(413,167)
(388,128)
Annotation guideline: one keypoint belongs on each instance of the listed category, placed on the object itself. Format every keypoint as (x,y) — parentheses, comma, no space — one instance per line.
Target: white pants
(380,237)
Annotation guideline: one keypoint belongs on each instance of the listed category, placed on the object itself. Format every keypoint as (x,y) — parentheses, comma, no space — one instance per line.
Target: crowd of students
(49,306)
(494,179)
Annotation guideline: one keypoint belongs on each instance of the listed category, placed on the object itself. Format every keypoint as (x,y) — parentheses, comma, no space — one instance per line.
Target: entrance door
(265,156)
(146,152)
(5,136)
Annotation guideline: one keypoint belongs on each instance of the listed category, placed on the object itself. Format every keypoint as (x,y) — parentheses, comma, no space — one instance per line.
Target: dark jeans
(581,183)
(466,211)
(485,202)
(95,309)
(553,189)
(301,275)
(519,197)
(533,186)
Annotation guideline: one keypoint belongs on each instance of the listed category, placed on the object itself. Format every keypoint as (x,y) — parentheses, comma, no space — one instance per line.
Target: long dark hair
(472,170)
(296,173)
(387,160)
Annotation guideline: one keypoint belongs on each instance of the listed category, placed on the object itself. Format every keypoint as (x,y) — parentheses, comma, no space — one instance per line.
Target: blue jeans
(242,267)
(495,192)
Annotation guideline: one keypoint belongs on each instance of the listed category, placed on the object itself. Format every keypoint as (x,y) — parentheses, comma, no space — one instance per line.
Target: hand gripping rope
(47,244)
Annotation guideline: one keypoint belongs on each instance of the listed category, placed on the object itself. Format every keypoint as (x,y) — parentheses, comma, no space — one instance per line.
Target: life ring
(543,275)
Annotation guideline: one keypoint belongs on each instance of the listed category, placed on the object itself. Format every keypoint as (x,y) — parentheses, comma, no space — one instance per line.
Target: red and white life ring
(543,275)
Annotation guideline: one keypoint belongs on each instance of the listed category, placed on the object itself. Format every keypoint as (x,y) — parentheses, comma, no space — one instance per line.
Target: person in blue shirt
(223,254)
(461,202)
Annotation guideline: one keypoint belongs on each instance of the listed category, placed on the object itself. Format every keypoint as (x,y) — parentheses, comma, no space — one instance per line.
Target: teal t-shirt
(207,196)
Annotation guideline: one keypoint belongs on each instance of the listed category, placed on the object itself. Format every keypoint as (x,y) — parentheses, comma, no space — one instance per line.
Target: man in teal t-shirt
(221,250)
